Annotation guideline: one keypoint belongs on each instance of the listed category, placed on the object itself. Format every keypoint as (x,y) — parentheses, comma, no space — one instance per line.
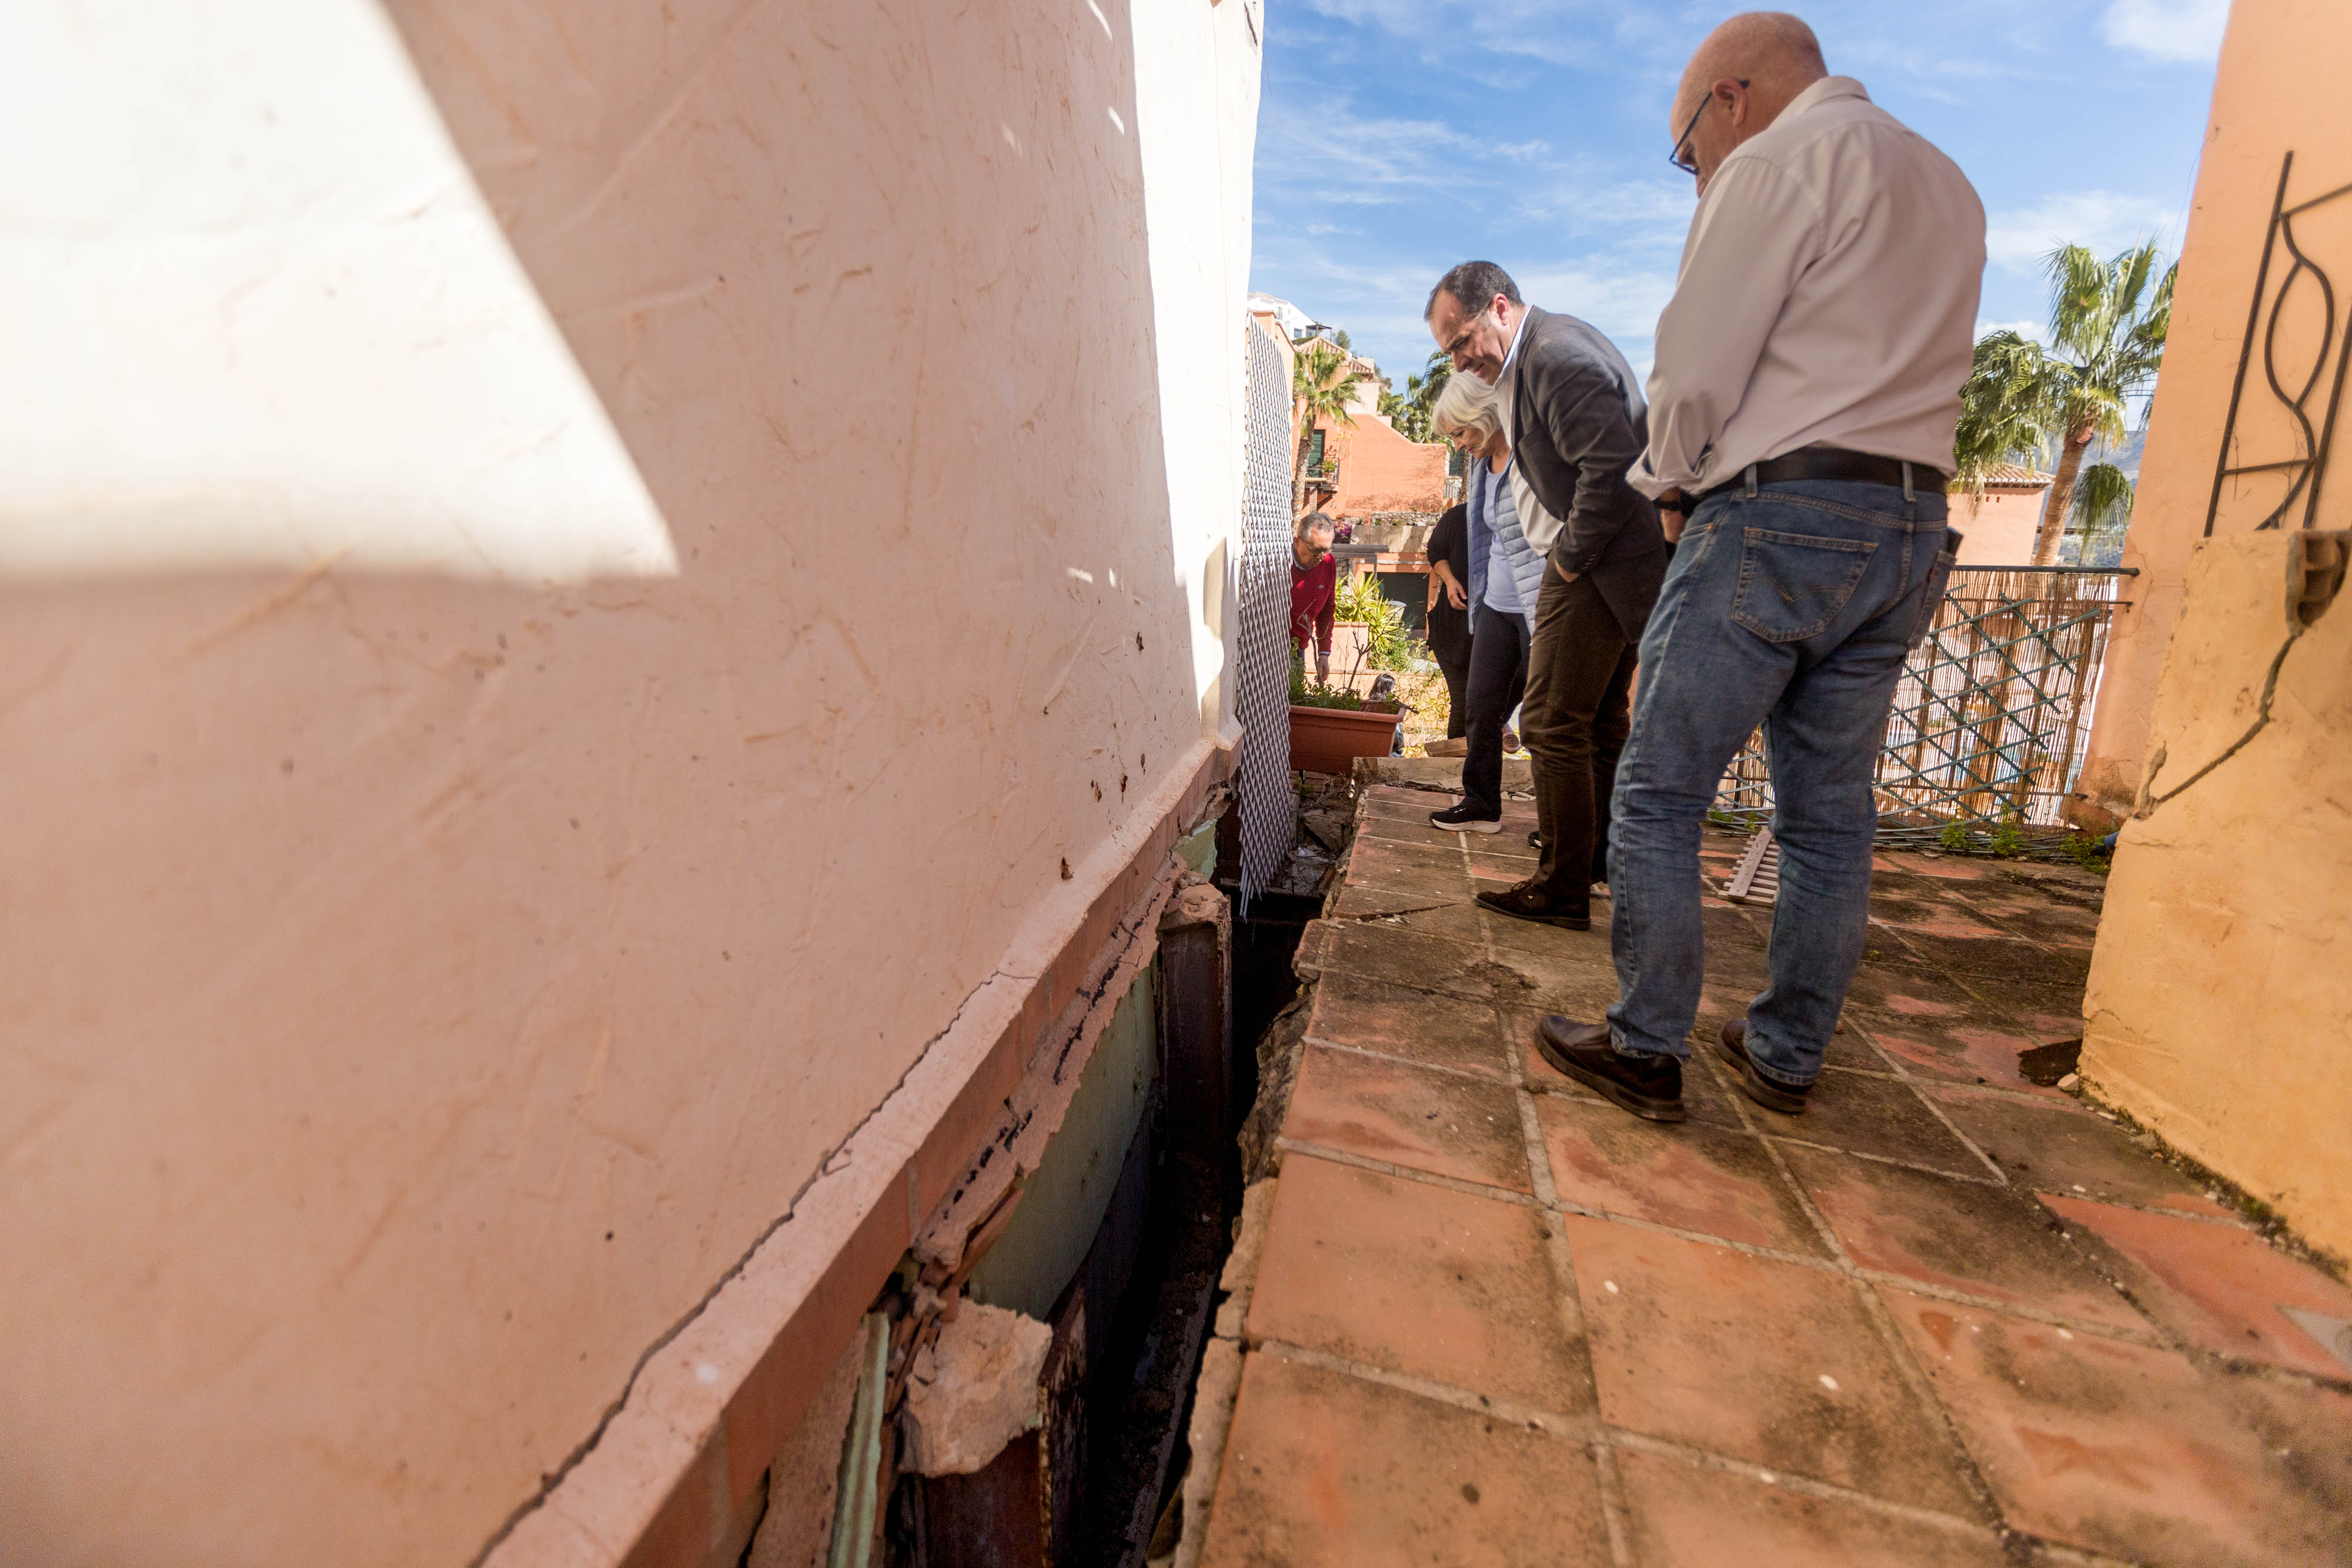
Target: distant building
(1997,526)
(1287,315)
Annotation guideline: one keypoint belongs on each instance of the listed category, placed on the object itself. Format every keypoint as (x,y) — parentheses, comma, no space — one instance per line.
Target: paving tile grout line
(1291,1145)
(1581,1428)
(1567,1307)
(1469,1073)
(1876,1159)
(1906,1367)
(1605,1438)
(1707,1458)
(1612,1501)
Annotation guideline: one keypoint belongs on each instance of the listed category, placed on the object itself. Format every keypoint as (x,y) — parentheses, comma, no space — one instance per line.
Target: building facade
(618,605)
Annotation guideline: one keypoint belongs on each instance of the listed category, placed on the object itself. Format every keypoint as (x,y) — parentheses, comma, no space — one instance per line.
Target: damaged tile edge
(1217,1385)
(659,1452)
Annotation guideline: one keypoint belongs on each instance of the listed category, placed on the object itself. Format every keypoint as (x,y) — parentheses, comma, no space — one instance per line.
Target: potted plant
(1330,726)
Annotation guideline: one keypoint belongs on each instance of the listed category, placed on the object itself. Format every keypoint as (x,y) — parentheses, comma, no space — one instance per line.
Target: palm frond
(2008,407)
(2103,499)
(2078,295)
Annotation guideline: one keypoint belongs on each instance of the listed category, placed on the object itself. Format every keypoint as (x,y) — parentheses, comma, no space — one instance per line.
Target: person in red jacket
(1313,593)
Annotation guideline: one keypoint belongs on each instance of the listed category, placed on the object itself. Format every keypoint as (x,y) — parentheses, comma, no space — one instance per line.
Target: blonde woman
(1505,575)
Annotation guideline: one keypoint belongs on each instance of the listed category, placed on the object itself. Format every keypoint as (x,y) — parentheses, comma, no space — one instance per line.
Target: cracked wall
(2219,1005)
(428,983)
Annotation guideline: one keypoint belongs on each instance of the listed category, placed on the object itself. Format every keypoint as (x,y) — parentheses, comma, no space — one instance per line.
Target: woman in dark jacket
(1449,613)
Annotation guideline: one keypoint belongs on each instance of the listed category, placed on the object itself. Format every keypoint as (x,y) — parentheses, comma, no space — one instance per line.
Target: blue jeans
(1792,606)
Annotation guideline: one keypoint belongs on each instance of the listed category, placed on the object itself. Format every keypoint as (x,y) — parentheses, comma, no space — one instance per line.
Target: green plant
(2009,840)
(1388,646)
(1308,693)
(1956,837)
(2107,326)
(2084,850)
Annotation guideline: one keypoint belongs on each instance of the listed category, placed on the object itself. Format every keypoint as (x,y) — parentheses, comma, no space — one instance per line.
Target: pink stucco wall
(423,990)
(1381,471)
(1997,527)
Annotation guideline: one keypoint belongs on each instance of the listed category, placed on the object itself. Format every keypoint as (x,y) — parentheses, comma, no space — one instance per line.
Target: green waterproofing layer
(861,1457)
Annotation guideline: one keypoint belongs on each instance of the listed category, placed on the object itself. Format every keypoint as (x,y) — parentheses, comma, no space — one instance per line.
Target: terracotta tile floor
(1945,1317)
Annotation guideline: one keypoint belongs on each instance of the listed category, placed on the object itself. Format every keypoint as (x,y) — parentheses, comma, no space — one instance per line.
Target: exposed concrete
(1064,1198)
(974,1390)
(804,1477)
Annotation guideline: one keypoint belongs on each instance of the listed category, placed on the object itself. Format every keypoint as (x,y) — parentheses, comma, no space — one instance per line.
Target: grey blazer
(1578,422)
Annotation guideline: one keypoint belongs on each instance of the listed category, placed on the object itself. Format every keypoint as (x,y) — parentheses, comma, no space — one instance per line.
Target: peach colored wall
(426,987)
(1381,471)
(2221,994)
(1997,527)
(2281,60)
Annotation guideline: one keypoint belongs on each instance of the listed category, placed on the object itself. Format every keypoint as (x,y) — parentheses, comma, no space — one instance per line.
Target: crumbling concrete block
(974,1390)
(802,1481)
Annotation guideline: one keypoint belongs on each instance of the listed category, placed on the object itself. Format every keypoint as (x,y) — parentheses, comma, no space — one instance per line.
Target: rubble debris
(975,1388)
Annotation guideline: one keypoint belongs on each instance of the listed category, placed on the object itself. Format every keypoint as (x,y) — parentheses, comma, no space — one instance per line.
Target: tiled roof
(2014,474)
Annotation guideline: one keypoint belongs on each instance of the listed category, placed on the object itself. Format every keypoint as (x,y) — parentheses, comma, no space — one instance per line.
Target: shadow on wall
(512,759)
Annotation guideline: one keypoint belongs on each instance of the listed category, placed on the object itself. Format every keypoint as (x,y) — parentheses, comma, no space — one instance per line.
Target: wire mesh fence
(1267,803)
(1990,719)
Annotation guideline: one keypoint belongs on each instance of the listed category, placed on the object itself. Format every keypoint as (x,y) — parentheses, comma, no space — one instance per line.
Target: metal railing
(1991,717)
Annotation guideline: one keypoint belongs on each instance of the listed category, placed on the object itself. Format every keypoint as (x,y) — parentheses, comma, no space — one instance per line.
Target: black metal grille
(1268,804)
(2283,444)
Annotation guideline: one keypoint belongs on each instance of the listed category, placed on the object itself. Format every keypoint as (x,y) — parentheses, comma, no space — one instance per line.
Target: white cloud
(2035,331)
(2168,29)
(1322,155)
(2106,221)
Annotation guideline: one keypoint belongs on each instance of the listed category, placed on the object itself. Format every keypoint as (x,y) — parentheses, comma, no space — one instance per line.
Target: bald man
(1800,418)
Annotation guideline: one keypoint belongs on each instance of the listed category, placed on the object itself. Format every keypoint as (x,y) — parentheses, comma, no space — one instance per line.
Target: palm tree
(1321,386)
(1414,412)
(2107,327)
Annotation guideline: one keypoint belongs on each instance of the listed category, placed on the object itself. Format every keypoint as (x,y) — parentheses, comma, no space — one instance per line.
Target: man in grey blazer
(1573,411)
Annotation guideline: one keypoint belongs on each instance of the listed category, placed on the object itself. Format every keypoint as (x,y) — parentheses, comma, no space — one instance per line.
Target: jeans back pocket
(1792,585)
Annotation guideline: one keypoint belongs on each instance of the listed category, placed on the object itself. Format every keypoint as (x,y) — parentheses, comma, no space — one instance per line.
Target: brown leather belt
(1832,462)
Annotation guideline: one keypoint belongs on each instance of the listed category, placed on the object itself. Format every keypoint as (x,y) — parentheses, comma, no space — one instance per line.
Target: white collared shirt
(1539,526)
(1827,296)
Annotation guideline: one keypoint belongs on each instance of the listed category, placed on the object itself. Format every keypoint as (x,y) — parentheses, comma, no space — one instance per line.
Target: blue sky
(1397,136)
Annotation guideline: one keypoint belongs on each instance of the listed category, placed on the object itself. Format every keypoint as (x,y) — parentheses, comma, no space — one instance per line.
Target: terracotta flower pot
(1329,739)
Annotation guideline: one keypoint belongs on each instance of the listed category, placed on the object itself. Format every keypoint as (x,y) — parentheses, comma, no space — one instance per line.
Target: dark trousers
(1579,674)
(1498,670)
(1449,644)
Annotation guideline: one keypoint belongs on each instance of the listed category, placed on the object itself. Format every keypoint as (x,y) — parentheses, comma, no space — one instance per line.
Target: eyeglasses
(1690,165)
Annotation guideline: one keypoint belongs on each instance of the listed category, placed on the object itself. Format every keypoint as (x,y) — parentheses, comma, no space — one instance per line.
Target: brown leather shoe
(1731,1044)
(1528,902)
(1649,1086)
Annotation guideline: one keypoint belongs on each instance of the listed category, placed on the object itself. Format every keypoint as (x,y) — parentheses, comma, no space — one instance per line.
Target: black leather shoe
(1527,902)
(1731,1044)
(1649,1086)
